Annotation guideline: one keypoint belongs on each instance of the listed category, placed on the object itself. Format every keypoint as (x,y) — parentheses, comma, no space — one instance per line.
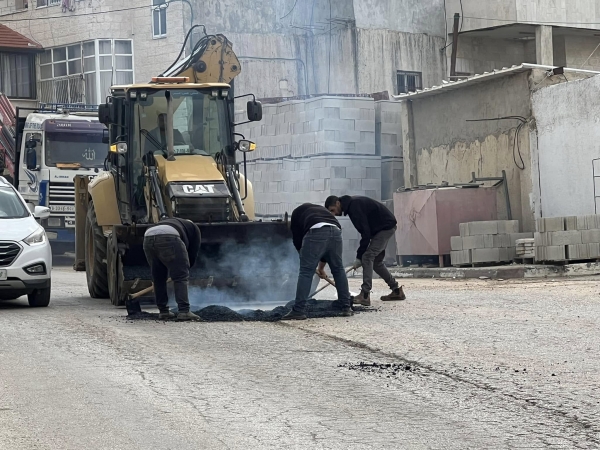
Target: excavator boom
(212,61)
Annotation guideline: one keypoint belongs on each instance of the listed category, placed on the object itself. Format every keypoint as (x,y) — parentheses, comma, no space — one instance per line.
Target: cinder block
(540,239)
(540,253)
(554,253)
(350,113)
(488,241)
(554,224)
(590,236)
(508,226)
(464,229)
(460,257)
(483,255)
(481,228)
(507,254)
(539,226)
(571,223)
(564,238)
(456,243)
(594,250)
(578,251)
(473,242)
(356,172)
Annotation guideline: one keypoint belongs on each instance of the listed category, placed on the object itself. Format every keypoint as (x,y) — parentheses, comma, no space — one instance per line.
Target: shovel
(132,302)
(331,283)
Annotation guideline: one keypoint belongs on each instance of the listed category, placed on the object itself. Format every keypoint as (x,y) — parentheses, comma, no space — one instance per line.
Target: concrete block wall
(312,148)
(567,238)
(486,242)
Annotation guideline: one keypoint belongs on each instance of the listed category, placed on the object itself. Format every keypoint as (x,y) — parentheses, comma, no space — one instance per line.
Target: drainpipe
(454,46)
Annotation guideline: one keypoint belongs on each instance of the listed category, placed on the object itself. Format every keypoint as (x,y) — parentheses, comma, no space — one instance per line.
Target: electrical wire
(291,10)
(78,15)
(516,142)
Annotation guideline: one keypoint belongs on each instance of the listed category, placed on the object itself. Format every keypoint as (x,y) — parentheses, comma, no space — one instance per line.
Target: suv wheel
(39,298)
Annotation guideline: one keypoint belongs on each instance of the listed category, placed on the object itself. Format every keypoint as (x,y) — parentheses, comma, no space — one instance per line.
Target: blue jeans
(321,243)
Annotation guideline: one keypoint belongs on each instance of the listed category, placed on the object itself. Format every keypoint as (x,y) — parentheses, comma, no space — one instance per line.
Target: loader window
(200,123)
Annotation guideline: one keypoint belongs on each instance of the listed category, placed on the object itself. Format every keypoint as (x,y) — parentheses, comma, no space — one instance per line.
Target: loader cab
(167,121)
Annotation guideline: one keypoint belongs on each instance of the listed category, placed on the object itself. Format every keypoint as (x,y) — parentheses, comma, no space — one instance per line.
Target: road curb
(513,271)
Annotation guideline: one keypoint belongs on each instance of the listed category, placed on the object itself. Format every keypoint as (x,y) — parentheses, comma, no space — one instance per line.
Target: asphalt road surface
(458,365)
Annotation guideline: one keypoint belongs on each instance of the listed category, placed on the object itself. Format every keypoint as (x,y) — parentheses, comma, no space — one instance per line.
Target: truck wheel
(95,256)
(39,298)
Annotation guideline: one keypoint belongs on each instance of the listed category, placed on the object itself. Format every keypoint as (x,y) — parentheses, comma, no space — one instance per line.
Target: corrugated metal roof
(484,77)
(11,40)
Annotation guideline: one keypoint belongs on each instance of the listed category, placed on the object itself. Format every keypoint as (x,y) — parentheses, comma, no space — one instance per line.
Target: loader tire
(95,256)
(113,263)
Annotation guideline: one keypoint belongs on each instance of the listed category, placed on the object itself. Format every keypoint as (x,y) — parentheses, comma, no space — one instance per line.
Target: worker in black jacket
(317,236)
(171,248)
(376,225)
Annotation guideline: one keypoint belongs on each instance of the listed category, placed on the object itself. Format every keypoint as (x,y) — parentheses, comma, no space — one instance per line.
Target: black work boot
(294,315)
(346,312)
(396,295)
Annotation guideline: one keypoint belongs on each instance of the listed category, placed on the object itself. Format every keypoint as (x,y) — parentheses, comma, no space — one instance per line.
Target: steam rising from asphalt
(267,276)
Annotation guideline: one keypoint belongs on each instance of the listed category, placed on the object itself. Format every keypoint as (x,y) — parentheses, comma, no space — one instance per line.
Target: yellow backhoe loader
(173,154)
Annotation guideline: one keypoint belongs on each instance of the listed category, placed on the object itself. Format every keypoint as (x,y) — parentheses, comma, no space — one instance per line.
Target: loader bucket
(240,265)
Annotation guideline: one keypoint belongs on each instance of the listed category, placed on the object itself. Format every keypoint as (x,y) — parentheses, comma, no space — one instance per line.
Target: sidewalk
(497,272)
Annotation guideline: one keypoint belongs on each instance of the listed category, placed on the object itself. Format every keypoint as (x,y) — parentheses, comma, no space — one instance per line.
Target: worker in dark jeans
(317,236)
(171,248)
(376,225)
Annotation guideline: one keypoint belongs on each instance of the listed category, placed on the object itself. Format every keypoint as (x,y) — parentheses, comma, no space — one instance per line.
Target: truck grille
(8,253)
(203,210)
(61,199)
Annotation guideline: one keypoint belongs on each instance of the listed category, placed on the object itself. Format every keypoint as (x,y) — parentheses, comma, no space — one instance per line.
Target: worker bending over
(376,225)
(317,236)
(171,248)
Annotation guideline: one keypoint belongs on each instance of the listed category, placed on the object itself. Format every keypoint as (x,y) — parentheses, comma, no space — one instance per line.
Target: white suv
(25,254)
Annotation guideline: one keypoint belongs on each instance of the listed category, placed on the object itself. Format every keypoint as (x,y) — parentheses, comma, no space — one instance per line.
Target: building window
(21,4)
(409,81)
(41,3)
(159,18)
(17,75)
(84,72)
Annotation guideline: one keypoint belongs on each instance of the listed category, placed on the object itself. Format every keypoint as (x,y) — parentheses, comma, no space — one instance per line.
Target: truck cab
(55,145)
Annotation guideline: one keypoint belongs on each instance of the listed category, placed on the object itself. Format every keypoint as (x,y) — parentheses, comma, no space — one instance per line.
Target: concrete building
(17,66)
(504,33)
(569,155)
(491,123)
(287,48)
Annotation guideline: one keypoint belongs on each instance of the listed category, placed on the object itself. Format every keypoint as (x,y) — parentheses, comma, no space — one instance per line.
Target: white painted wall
(568,127)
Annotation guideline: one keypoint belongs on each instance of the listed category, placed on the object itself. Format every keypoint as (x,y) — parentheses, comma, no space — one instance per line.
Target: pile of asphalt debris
(381,369)
(214,313)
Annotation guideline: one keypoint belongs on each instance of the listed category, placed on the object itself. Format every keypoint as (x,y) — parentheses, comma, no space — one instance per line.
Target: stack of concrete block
(526,248)
(567,238)
(316,126)
(392,176)
(486,242)
(282,185)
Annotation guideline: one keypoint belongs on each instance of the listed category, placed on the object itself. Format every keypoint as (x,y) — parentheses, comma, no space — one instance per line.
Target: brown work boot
(396,295)
(364,299)
(189,316)
(294,315)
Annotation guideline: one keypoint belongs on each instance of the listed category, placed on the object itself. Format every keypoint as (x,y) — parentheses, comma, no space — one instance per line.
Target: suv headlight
(36,238)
